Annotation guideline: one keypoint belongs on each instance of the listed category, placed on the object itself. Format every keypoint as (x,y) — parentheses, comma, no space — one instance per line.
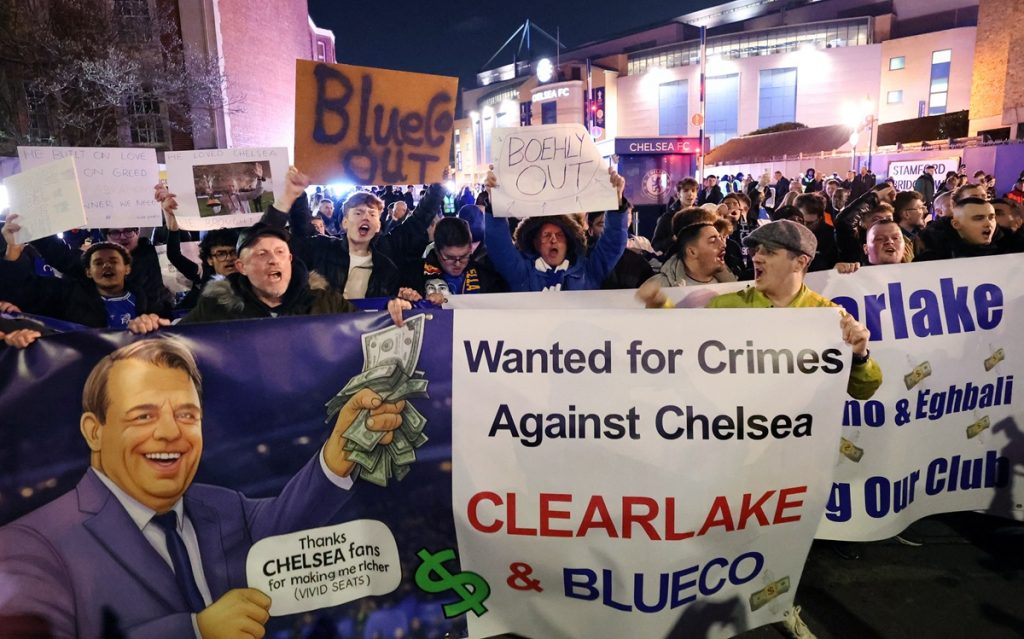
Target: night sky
(458,39)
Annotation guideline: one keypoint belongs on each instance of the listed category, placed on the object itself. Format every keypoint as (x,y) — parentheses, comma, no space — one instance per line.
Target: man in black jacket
(363,262)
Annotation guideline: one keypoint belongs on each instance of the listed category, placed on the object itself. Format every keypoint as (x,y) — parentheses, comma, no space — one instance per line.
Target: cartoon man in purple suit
(136,548)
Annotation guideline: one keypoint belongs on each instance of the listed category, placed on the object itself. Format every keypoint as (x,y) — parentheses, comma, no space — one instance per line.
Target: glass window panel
(939,57)
(938,99)
(895,64)
(672,108)
(894,97)
(722,108)
(940,85)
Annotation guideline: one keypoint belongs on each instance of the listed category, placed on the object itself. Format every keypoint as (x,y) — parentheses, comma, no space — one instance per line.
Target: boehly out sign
(599,471)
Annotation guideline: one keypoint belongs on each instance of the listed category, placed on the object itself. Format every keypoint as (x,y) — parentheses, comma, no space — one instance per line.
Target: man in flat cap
(782,251)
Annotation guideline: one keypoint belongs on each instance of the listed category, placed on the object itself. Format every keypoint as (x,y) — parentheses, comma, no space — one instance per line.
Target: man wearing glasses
(453,268)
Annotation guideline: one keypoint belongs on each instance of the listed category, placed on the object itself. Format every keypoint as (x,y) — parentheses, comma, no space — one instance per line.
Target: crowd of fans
(315,250)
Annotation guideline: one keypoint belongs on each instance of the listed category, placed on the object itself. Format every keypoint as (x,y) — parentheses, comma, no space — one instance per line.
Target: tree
(101,73)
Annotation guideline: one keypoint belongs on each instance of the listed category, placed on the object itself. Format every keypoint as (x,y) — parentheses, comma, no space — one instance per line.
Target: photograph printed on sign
(224,189)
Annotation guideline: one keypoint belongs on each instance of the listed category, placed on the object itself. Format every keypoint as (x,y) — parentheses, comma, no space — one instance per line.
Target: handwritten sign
(549,170)
(224,188)
(117,183)
(324,567)
(47,199)
(372,126)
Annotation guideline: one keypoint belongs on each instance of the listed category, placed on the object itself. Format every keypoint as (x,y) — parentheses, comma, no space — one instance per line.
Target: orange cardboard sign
(372,126)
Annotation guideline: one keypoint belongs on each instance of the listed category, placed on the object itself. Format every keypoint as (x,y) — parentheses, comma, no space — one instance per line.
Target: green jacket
(864,378)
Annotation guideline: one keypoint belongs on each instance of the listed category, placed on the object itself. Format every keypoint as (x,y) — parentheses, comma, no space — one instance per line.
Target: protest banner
(905,173)
(617,485)
(942,433)
(47,199)
(116,183)
(291,373)
(363,125)
(220,188)
(549,169)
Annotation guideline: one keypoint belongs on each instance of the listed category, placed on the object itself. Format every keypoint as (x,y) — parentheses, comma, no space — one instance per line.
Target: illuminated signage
(550,94)
(642,146)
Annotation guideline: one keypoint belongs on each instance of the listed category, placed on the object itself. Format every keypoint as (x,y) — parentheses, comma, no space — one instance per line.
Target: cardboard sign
(220,188)
(906,173)
(116,183)
(47,199)
(549,170)
(372,126)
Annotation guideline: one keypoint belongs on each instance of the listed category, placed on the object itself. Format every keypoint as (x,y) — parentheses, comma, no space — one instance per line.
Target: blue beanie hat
(475,218)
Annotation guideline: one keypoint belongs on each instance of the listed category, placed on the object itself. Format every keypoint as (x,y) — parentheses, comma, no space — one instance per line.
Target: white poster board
(220,188)
(47,200)
(566,488)
(549,170)
(906,173)
(116,183)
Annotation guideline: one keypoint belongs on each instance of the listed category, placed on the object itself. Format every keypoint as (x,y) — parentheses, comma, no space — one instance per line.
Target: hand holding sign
(549,170)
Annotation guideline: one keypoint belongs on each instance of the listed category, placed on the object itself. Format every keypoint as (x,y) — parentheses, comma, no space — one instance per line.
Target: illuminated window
(895,64)
(672,107)
(777,97)
(894,97)
(722,108)
(938,92)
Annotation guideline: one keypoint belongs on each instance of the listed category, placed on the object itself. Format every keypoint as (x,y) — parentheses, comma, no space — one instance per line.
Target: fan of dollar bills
(390,356)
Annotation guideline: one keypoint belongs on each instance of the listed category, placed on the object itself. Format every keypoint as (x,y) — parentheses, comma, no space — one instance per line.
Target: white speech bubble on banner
(549,169)
(324,567)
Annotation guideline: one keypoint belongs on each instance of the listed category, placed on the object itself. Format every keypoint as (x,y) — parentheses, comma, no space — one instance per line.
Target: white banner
(117,183)
(47,200)
(220,188)
(942,443)
(943,433)
(548,170)
(906,173)
(566,489)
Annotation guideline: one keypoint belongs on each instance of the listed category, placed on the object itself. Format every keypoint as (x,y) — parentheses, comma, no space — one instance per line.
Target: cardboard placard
(218,188)
(47,199)
(549,169)
(372,126)
(116,183)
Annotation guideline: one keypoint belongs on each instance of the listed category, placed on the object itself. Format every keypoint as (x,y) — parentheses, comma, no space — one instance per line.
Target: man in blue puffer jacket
(549,253)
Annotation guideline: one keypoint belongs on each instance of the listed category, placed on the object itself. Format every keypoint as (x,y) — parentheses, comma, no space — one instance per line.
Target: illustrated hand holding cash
(376,428)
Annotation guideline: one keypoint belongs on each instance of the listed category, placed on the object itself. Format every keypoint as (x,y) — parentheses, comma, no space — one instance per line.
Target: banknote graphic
(975,429)
(994,358)
(390,357)
(850,450)
(765,595)
(914,377)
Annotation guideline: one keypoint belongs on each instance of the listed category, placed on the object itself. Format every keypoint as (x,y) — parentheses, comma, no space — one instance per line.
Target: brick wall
(991,55)
(260,42)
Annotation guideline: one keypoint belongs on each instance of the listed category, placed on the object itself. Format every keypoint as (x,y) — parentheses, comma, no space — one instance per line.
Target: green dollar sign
(471,587)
